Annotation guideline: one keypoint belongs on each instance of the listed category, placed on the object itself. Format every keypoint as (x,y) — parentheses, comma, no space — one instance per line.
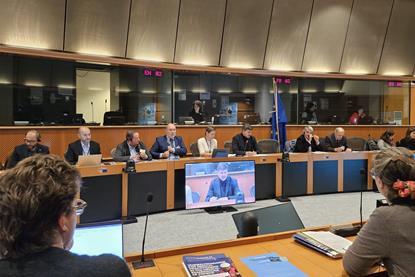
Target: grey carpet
(181,228)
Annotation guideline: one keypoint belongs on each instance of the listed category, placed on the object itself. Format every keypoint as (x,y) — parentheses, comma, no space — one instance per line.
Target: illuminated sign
(153,72)
(282,80)
(394,84)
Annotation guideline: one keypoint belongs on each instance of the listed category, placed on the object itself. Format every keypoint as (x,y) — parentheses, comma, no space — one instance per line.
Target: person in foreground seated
(131,149)
(337,142)
(409,140)
(39,211)
(388,235)
(168,146)
(29,148)
(83,146)
(308,142)
(224,187)
(387,140)
(208,143)
(244,143)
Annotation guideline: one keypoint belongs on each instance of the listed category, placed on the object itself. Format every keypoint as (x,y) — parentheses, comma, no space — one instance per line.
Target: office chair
(356,144)
(194,149)
(268,146)
(228,145)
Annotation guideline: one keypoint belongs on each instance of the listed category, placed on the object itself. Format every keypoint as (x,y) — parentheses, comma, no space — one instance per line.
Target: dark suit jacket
(122,153)
(301,145)
(21,152)
(161,145)
(75,150)
(231,189)
(331,143)
(407,143)
(241,144)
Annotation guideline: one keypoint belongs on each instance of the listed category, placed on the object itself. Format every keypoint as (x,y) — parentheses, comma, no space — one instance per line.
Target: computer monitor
(97,240)
(220,153)
(205,184)
(186,120)
(278,218)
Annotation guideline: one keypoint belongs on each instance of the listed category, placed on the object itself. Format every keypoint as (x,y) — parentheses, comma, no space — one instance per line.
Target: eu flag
(279,118)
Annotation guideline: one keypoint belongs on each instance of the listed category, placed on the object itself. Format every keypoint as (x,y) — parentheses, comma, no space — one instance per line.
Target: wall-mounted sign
(283,80)
(394,84)
(153,73)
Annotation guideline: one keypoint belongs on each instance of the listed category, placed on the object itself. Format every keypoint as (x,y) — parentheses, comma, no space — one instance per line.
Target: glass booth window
(227,99)
(339,102)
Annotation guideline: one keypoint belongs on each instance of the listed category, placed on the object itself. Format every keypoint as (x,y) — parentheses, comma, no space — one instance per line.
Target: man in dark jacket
(131,149)
(29,148)
(244,143)
(223,186)
(83,146)
(308,142)
(337,142)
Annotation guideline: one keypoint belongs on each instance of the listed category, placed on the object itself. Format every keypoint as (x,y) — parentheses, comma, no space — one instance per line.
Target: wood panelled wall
(58,138)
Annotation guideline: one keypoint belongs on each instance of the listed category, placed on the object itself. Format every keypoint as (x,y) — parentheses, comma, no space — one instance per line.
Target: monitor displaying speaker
(279,218)
(97,240)
(215,184)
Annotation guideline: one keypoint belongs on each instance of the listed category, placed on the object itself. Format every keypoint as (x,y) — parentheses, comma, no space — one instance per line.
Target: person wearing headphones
(131,149)
(83,146)
(28,149)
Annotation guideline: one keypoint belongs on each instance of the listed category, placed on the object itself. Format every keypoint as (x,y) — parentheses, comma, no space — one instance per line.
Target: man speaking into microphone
(244,143)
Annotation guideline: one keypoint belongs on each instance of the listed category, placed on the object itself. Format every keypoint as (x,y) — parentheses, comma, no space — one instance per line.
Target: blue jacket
(231,190)
(161,145)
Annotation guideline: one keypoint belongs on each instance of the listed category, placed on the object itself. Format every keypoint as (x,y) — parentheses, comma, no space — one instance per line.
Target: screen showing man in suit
(219,183)
(83,146)
(169,146)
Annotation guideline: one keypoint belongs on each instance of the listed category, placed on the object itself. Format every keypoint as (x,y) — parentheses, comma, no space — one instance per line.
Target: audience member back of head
(39,210)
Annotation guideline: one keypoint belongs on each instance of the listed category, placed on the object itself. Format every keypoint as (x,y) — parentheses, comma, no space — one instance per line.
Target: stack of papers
(325,242)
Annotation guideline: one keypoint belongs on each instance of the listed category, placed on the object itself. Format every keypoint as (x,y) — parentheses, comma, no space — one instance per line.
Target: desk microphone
(92,110)
(346,231)
(143,263)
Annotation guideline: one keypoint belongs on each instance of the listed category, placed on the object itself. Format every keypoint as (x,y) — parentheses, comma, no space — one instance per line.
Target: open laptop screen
(97,240)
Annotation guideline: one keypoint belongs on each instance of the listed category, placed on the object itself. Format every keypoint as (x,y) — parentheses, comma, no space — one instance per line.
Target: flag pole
(274,81)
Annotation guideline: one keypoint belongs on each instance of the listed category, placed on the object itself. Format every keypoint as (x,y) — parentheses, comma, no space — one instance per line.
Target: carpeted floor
(181,228)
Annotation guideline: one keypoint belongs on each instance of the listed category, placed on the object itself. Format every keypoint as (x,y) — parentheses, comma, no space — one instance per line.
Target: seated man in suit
(224,187)
(168,146)
(132,149)
(29,148)
(244,143)
(83,146)
(337,142)
(308,142)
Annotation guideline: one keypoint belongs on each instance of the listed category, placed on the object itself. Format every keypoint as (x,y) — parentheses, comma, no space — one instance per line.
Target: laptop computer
(279,218)
(97,240)
(220,153)
(89,160)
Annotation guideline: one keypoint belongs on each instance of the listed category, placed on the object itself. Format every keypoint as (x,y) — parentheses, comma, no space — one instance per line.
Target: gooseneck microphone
(92,110)
(143,263)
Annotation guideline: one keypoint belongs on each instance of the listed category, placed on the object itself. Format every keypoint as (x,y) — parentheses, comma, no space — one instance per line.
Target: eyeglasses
(79,206)
(373,174)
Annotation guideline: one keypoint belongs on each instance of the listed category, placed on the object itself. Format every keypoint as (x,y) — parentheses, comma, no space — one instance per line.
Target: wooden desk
(169,262)
(111,191)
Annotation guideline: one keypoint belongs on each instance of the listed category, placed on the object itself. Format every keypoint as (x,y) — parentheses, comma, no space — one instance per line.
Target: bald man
(168,146)
(29,148)
(337,142)
(83,146)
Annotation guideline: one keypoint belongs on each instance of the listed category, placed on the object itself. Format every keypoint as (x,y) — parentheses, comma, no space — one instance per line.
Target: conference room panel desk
(326,172)
(112,194)
(169,262)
